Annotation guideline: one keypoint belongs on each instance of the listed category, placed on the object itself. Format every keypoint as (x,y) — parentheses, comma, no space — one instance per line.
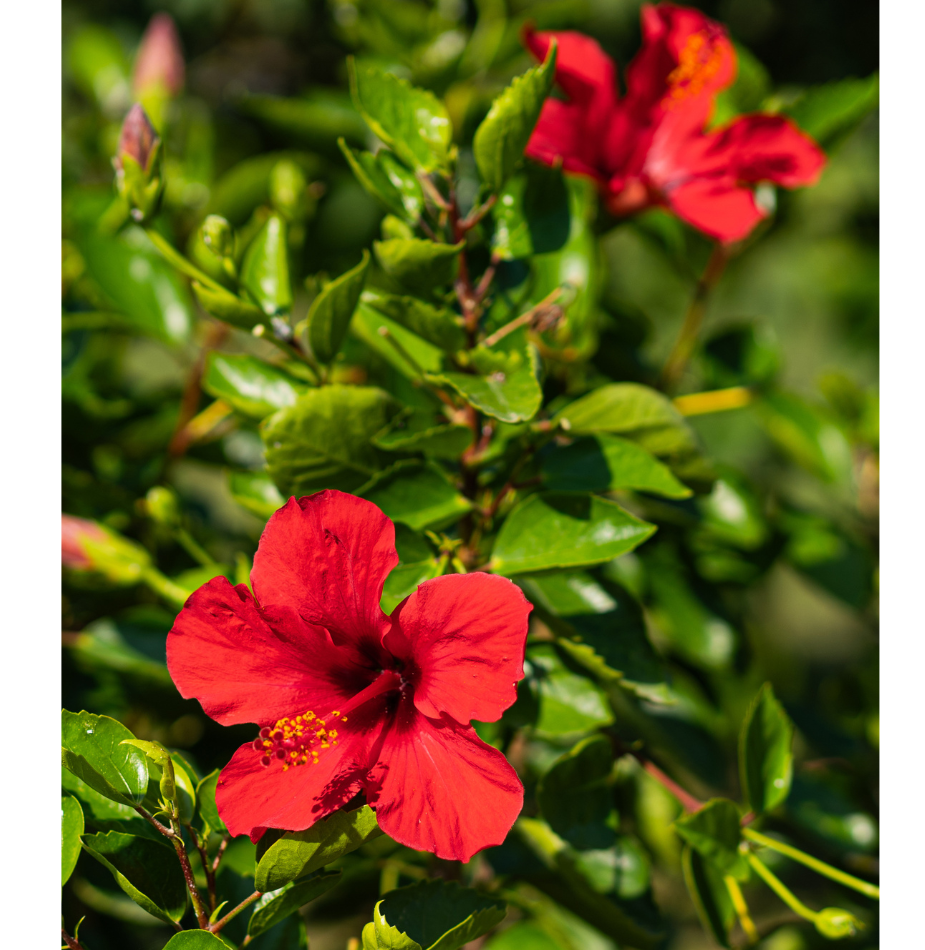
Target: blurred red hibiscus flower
(650,147)
(349,699)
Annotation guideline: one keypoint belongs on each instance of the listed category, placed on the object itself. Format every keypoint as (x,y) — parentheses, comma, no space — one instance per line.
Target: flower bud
(835,923)
(75,532)
(90,548)
(218,236)
(162,505)
(160,59)
(138,164)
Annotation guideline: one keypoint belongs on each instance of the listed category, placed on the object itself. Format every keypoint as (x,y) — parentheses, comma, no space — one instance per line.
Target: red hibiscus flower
(348,699)
(650,148)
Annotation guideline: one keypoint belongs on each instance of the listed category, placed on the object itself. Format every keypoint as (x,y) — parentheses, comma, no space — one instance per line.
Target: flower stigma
(297,740)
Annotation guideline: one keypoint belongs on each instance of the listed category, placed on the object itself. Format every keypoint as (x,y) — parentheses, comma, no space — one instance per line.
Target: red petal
(324,558)
(463,636)
(583,70)
(716,206)
(437,787)
(251,797)
(222,652)
(560,134)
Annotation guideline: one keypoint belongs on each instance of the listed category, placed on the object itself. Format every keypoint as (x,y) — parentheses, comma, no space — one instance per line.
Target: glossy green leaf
(500,140)
(441,327)
(299,853)
(607,463)
(830,111)
(256,492)
(438,915)
(532,214)
(413,122)
(205,801)
(601,626)
(226,306)
(565,529)
(506,386)
(569,703)
(323,441)
(275,906)
(72,827)
(385,178)
(765,752)
(197,940)
(715,833)
(91,748)
(524,935)
(250,385)
(618,407)
(140,283)
(146,870)
(265,268)
(412,356)
(418,264)
(416,430)
(330,312)
(731,513)
(417,494)
(103,814)
(710,896)
(574,795)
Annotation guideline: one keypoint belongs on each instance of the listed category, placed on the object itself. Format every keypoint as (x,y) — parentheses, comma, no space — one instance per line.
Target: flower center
(300,739)
(700,60)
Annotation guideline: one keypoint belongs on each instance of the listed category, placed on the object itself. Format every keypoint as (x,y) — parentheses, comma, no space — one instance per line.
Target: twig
(220,853)
(204,858)
(523,319)
(217,926)
(72,942)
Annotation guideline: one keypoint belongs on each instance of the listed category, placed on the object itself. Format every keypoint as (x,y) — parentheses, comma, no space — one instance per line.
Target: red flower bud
(160,58)
(137,139)
(74,533)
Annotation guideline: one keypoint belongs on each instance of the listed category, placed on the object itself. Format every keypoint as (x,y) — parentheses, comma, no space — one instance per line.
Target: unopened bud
(162,505)
(75,532)
(835,923)
(89,547)
(138,164)
(160,59)
(218,236)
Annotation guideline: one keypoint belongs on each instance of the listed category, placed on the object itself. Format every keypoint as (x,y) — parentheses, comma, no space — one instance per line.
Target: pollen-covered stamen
(299,740)
(699,61)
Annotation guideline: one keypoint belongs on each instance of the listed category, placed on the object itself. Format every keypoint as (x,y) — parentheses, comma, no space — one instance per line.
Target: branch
(72,942)
(217,926)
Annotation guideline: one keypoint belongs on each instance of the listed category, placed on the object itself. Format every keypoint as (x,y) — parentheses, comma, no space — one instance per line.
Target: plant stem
(781,890)
(523,320)
(719,400)
(174,257)
(684,345)
(687,801)
(204,858)
(220,853)
(167,589)
(201,916)
(191,546)
(217,926)
(72,942)
(741,909)
(820,867)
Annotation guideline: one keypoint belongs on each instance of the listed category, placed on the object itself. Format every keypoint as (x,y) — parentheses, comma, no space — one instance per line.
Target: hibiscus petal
(583,70)
(717,206)
(324,558)
(560,134)
(251,797)
(222,652)
(463,636)
(437,787)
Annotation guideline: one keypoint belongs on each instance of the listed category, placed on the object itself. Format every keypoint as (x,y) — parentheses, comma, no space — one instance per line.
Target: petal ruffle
(717,206)
(324,558)
(437,787)
(222,652)
(463,636)
(251,797)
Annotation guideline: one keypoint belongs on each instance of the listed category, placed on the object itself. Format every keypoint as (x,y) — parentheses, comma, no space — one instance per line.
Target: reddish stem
(217,926)
(72,942)
(688,802)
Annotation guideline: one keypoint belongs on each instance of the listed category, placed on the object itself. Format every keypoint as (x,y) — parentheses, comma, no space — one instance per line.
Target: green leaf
(385,178)
(146,870)
(103,814)
(250,385)
(765,756)
(411,357)
(72,827)
(500,140)
(140,283)
(441,327)
(418,264)
(323,441)
(417,494)
(265,268)
(565,529)
(317,118)
(100,646)
(416,565)
(569,703)
(226,306)
(197,940)
(831,111)
(506,386)
(275,906)
(601,626)
(532,214)
(91,748)
(416,430)
(732,513)
(256,492)
(607,463)
(412,122)
(710,896)
(437,915)
(525,935)
(618,407)
(205,802)
(299,853)
(574,795)
(715,833)
(330,312)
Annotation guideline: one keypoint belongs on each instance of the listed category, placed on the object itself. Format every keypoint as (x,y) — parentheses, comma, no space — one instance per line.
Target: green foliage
(765,756)
(332,309)
(265,268)
(279,904)
(708,891)
(249,385)
(713,832)
(72,827)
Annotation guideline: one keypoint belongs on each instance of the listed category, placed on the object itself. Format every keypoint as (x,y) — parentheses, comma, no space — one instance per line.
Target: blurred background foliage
(771,575)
